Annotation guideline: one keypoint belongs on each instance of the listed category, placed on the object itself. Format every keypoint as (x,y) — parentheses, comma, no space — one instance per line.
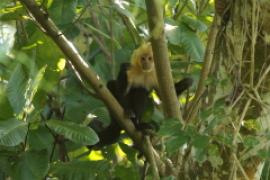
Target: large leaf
(33,85)
(81,170)
(63,11)
(6,109)
(40,139)
(173,143)
(74,132)
(32,165)
(174,136)
(170,127)
(183,36)
(22,90)
(78,104)
(16,89)
(12,132)
(194,24)
(131,172)
(200,141)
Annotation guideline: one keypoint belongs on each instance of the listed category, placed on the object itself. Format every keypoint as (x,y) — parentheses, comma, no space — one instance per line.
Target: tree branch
(166,86)
(82,68)
(91,77)
(208,58)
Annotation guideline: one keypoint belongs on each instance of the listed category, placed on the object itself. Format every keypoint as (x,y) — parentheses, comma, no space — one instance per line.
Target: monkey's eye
(150,58)
(143,58)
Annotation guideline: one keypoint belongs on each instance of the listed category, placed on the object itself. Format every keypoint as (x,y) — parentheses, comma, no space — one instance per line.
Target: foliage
(45,106)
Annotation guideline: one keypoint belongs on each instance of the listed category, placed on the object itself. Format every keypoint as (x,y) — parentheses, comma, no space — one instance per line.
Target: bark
(162,64)
(244,53)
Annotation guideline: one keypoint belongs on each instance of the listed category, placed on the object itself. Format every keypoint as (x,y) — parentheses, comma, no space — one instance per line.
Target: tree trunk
(243,51)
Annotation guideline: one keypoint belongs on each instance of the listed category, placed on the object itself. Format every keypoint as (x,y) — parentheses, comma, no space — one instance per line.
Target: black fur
(134,101)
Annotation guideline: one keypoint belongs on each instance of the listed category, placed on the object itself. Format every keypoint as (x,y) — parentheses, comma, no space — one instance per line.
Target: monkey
(132,88)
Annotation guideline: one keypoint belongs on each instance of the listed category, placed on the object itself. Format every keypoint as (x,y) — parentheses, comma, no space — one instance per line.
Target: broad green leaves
(80,170)
(21,89)
(12,132)
(40,139)
(76,133)
(6,109)
(32,165)
(174,136)
(185,35)
(16,89)
(63,11)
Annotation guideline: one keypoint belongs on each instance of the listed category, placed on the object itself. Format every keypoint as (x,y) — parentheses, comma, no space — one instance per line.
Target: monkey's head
(143,58)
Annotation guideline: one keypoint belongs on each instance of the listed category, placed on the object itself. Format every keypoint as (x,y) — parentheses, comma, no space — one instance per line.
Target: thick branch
(84,70)
(166,86)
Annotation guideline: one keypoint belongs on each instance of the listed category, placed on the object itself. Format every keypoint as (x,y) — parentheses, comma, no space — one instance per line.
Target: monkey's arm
(183,85)
(180,86)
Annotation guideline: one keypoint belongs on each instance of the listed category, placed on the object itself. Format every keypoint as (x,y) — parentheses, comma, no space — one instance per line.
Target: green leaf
(183,36)
(170,127)
(250,141)
(16,89)
(78,104)
(102,114)
(132,153)
(175,142)
(74,132)
(33,85)
(174,136)
(10,11)
(63,11)
(81,170)
(5,163)
(194,24)
(127,172)
(22,90)
(6,109)
(214,156)
(40,139)
(32,165)
(200,141)
(12,132)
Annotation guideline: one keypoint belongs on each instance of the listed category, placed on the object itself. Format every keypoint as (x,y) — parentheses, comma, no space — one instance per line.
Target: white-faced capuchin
(132,89)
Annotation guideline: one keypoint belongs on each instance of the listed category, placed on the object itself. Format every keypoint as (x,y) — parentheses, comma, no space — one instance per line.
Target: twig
(151,158)
(208,58)
(81,81)
(240,167)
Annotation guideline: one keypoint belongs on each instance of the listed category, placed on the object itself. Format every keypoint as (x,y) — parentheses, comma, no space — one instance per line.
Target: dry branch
(208,58)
